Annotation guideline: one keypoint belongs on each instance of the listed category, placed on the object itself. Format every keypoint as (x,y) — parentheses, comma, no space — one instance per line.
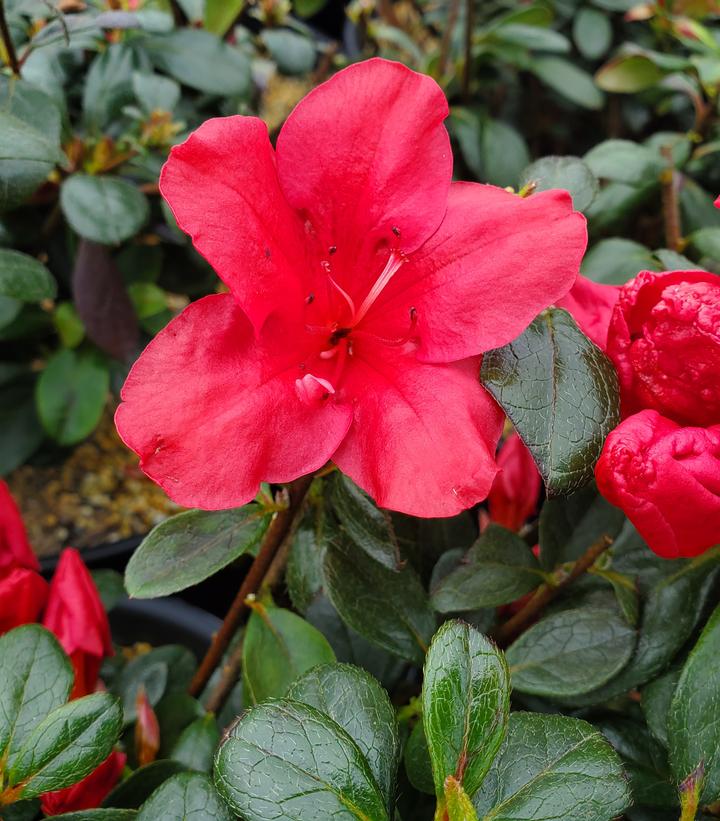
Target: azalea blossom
(15,549)
(515,493)
(364,287)
(88,793)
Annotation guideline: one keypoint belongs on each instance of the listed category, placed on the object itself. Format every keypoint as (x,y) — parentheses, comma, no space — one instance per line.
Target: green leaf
(624,161)
(136,789)
(304,570)
(20,429)
(367,526)
(191,547)
(110,586)
(615,260)
(498,568)
(35,678)
(67,745)
(561,393)
(33,106)
(68,325)
(154,92)
(628,74)
(96,815)
(108,85)
(592,33)
(278,647)
(569,173)
(293,53)
(221,14)
(466,699)
(390,609)
(26,158)
(418,766)
(322,774)
(71,394)
(553,767)
(570,652)
(532,37)
(504,152)
(25,278)
(569,81)
(693,728)
(705,241)
(201,60)
(355,701)
(107,210)
(656,699)
(197,744)
(307,8)
(175,712)
(458,805)
(185,797)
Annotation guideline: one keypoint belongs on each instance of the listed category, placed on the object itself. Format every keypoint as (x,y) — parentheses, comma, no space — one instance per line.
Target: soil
(98,495)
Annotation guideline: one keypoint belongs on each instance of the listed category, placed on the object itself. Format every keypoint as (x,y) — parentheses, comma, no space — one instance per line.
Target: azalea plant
(458,438)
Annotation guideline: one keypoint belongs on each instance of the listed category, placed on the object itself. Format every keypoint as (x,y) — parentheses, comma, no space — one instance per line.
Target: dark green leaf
(278,647)
(136,789)
(561,393)
(67,745)
(108,85)
(569,81)
(35,678)
(304,571)
(418,766)
(656,699)
(466,699)
(390,609)
(68,325)
(570,652)
(355,701)
(293,53)
(322,774)
(20,428)
(615,260)
(71,395)
(197,744)
(693,727)
(553,767)
(175,712)
(107,210)
(569,173)
(504,152)
(185,797)
(110,586)
(497,569)
(24,278)
(592,32)
(624,161)
(33,106)
(155,93)
(191,547)
(96,815)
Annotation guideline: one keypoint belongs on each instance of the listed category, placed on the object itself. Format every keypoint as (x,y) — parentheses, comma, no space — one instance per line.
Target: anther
(396,230)
(332,249)
(309,299)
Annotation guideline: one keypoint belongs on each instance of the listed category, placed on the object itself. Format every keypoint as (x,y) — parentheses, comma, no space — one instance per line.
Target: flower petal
(423,436)
(222,187)
(496,261)
(591,305)
(366,153)
(212,411)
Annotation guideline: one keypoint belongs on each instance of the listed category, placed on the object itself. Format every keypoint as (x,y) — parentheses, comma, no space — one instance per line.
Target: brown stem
(547,592)
(7,42)
(670,204)
(452,19)
(469,15)
(271,543)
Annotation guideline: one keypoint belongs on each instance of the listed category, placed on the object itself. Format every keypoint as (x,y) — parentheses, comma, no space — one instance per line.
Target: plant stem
(670,205)
(274,537)
(547,592)
(446,43)
(7,42)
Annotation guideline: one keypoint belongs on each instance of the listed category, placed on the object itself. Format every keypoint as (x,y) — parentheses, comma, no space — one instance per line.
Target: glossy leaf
(322,774)
(138,787)
(553,767)
(107,210)
(197,744)
(570,652)
(25,278)
(656,699)
(96,815)
(355,701)
(466,699)
(191,547)
(570,173)
(458,805)
(561,393)
(32,105)
(185,797)
(278,647)
(498,568)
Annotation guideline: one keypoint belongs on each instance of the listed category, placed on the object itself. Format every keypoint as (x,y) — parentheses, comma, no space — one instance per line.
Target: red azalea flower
(515,491)
(591,305)
(23,594)
(15,550)
(667,480)
(76,616)
(88,793)
(364,287)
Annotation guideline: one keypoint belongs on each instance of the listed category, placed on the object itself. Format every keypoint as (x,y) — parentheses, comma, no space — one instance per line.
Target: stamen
(395,261)
(313,390)
(394,342)
(344,294)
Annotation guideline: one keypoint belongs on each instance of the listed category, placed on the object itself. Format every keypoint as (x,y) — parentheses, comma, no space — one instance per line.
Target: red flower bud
(23,594)
(76,616)
(147,730)
(667,480)
(15,550)
(88,793)
(514,494)
(665,342)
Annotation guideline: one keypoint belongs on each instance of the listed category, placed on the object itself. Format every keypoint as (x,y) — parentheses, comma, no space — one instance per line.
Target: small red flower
(23,594)
(667,480)
(515,491)
(591,305)
(15,550)
(364,286)
(76,616)
(88,793)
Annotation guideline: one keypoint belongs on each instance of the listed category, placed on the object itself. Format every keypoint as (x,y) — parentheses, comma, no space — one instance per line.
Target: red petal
(88,793)
(23,594)
(591,305)
(222,186)
(496,261)
(515,492)
(212,412)
(423,436)
(363,154)
(15,550)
